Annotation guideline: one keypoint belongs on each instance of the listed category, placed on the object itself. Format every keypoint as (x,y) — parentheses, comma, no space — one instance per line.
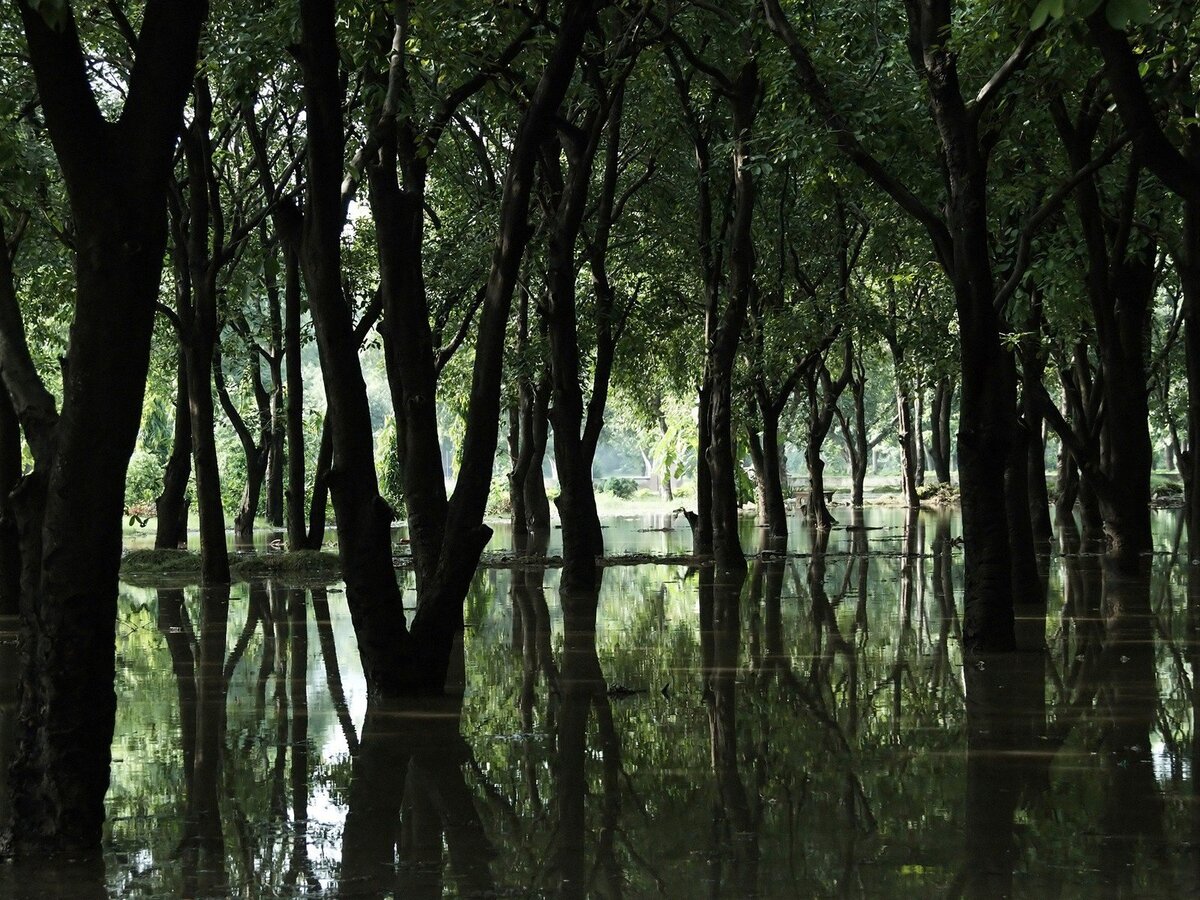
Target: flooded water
(811,731)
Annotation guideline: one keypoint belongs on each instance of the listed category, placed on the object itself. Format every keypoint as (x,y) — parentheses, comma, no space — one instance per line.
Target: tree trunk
(772,476)
(297,490)
(722,464)
(537,504)
(583,540)
(919,422)
(214,553)
(171,506)
(363,518)
(10,476)
(939,448)
(275,459)
(907,436)
(70,509)
(702,529)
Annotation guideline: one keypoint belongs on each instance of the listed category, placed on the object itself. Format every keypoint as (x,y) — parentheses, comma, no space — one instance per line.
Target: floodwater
(812,731)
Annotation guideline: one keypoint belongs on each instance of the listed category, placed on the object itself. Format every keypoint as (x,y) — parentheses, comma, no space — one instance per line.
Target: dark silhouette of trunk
(859,445)
(919,416)
(363,518)
(319,506)
(70,508)
(939,432)
(711,236)
(742,93)
(1120,282)
(520,423)
(567,194)
(257,451)
(537,503)
(199,256)
(297,490)
(702,527)
(276,424)
(823,393)
(906,420)
(171,507)
(10,475)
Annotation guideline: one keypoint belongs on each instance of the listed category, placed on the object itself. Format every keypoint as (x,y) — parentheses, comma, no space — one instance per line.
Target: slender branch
(1045,211)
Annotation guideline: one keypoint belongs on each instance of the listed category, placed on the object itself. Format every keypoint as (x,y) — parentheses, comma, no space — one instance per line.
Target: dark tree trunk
(1067,487)
(440,604)
(363,518)
(907,431)
(722,464)
(583,540)
(69,511)
(919,422)
(196,299)
(519,459)
(257,452)
(399,214)
(276,463)
(10,475)
(214,553)
(766,452)
(297,490)
(702,529)
(171,506)
(537,503)
(858,443)
(823,395)
(318,508)
(1120,283)
(939,447)
(276,426)
(520,425)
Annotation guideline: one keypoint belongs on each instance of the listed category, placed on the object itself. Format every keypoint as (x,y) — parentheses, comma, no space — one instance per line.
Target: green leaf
(1044,11)
(1122,12)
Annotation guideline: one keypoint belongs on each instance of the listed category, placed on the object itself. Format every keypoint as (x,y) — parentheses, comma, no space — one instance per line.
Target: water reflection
(811,729)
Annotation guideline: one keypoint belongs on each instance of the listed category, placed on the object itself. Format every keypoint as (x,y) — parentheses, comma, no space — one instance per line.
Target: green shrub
(621,488)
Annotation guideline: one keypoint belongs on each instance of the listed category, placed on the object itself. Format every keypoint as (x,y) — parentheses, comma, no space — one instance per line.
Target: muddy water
(812,730)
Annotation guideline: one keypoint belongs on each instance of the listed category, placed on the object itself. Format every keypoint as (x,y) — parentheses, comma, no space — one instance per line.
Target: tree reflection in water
(799,732)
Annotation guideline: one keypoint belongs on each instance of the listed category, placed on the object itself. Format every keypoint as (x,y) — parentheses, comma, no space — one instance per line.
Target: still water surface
(812,731)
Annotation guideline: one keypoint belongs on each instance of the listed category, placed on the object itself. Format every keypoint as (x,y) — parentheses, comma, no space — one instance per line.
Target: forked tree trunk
(69,510)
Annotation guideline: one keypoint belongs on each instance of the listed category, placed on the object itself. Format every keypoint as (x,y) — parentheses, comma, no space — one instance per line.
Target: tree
(69,508)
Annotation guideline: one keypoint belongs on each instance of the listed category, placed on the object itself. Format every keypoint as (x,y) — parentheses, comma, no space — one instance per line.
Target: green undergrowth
(301,565)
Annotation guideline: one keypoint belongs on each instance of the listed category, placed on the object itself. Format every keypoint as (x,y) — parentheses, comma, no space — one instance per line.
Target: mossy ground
(302,565)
